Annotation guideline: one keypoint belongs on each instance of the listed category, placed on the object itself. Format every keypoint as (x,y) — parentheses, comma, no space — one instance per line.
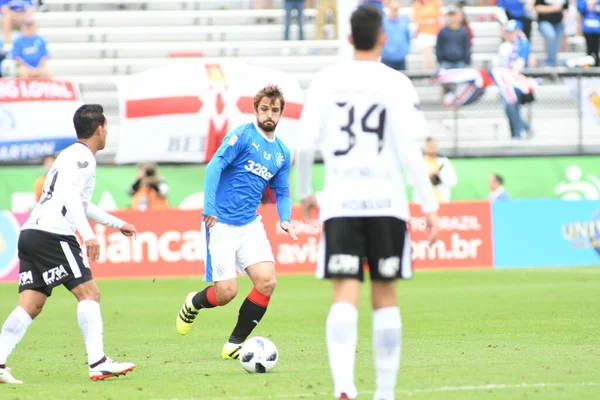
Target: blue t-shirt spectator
(397,45)
(590,17)
(516,8)
(376,3)
(30,49)
(17,5)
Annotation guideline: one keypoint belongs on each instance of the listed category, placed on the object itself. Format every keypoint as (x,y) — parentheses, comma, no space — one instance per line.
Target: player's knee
(226,294)
(87,292)
(267,285)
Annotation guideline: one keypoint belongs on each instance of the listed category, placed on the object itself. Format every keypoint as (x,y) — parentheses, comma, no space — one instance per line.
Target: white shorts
(232,249)
(425,40)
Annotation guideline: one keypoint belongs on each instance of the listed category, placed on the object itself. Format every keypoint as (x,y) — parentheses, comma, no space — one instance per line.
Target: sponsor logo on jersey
(82,165)
(389,267)
(55,274)
(343,264)
(267,156)
(232,140)
(25,278)
(258,169)
(279,159)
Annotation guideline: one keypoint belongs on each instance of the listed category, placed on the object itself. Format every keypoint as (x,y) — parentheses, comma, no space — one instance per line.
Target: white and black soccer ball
(258,355)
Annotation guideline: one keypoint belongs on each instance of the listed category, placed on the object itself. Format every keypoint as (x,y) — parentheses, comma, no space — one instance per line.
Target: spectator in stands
(260,5)
(464,21)
(397,46)
(497,191)
(30,51)
(14,13)
(149,191)
(590,25)
(376,3)
(290,6)
(441,172)
(551,15)
(452,48)
(324,7)
(515,54)
(515,51)
(518,10)
(427,14)
(38,186)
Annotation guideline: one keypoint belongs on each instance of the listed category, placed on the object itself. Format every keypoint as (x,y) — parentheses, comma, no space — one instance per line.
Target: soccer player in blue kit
(250,157)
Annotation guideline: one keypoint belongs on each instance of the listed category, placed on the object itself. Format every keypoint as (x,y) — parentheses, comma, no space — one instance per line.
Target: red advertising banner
(170,244)
(465,239)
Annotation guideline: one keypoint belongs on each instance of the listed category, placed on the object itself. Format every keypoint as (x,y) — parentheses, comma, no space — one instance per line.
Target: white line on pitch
(417,391)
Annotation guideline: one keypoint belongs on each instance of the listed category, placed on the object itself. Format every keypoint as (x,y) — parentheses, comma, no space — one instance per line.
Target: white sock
(387,341)
(90,323)
(342,335)
(13,330)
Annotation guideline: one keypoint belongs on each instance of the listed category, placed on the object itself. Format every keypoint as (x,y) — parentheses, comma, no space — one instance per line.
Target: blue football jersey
(238,174)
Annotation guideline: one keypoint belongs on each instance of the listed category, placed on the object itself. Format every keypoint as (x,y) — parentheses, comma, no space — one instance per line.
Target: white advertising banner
(182,112)
(36,117)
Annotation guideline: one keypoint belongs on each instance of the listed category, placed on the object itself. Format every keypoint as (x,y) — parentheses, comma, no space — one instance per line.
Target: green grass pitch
(482,334)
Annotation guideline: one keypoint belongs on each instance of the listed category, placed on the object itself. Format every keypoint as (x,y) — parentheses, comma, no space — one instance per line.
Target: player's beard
(267,128)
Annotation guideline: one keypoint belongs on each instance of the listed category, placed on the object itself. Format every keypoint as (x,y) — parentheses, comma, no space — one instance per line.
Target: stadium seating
(98,40)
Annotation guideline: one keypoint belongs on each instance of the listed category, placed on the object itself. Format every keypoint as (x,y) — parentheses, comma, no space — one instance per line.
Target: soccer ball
(258,355)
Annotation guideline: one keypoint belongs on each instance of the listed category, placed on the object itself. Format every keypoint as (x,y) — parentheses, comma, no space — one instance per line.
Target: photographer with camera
(149,191)
(441,172)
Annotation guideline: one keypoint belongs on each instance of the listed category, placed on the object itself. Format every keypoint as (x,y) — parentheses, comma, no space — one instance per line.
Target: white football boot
(6,377)
(109,369)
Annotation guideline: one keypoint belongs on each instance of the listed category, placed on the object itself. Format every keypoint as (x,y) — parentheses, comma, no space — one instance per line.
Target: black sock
(249,316)
(201,299)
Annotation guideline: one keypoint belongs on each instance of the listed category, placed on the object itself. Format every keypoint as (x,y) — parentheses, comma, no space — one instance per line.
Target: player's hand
(433,225)
(209,221)
(308,204)
(92,248)
(289,228)
(128,230)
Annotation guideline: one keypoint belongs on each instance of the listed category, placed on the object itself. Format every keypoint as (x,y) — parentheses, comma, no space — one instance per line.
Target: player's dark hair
(366,24)
(87,119)
(273,92)
(429,139)
(499,178)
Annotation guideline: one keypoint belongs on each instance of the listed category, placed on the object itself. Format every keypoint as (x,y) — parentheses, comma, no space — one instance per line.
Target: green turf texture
(462,329)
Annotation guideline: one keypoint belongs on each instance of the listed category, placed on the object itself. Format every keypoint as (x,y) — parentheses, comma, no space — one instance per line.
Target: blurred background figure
(519,10)
(38,186)
(427,14)
(551,15)
(149,191)
(290,7)
(497,191)
(376,3)
(515,54)
(441,172)
(464,21)
(264,5)
(397,46)
(590,26)
(324,8)
(30,51)
(14,13)
(452,48)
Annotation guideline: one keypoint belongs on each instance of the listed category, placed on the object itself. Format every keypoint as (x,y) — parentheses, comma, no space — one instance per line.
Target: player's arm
(69,183)
(411,122)
(224,156)
(310,131)
(281,186)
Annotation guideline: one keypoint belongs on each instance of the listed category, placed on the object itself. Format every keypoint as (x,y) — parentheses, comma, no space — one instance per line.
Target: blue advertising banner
(546,233)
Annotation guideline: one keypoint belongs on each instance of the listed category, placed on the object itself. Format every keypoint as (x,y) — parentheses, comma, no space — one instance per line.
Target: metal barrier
(565,116)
